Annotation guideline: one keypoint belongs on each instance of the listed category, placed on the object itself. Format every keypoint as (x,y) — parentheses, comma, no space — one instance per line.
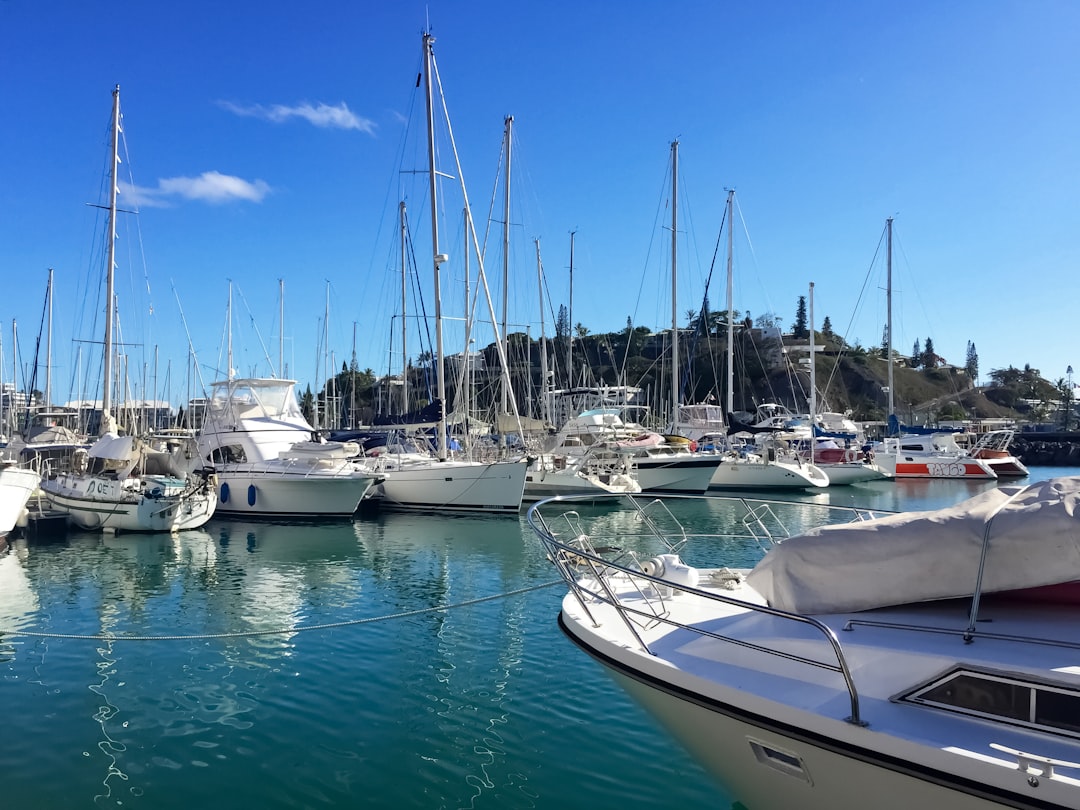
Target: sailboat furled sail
(418,480)
(121,484)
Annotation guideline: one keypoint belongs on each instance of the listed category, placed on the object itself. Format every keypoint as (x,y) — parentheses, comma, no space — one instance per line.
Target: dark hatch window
(1031,704)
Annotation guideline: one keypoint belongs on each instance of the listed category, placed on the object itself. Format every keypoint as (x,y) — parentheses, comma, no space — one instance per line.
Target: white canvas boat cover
(113,447)
(921,556)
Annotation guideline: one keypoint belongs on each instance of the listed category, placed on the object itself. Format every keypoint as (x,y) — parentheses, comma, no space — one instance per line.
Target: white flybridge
(922,659)
(266,457)
(439,482)
(120,484)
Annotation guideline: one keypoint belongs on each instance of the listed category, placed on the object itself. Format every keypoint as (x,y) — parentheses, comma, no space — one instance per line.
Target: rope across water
(286,630)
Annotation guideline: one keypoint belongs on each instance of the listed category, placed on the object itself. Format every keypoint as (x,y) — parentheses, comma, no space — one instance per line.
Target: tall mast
(570,325)
(352,381)
(509,125)
(404,304)
(281,329)
(48,347)
(228,328)
(813,376)
(437,258)
(888,304)
(465,380)
(545,413)
(674,283)
(106,372)
(15,374)
(730,307)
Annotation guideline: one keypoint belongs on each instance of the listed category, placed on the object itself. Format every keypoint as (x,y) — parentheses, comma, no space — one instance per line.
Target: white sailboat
(424,482)
(120,484)
(765,468)
(849,466)
(925,454)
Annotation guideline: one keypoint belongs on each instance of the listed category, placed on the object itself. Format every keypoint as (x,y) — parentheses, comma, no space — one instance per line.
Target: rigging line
(258,334)
(287,630)
(660,207)
(855,311)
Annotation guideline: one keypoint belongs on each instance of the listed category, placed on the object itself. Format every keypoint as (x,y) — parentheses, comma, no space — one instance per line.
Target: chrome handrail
(571,558)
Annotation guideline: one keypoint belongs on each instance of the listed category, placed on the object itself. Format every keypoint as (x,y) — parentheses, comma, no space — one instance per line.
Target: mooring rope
(286,630)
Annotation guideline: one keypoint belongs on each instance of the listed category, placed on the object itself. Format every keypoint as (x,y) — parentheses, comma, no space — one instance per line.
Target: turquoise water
(393,661)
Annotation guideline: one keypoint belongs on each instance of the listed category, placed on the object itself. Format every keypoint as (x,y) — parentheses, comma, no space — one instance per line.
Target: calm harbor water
(392,661)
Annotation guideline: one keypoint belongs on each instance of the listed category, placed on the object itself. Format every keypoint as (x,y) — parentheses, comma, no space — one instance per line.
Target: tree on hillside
(971,363)
(916,354)
(562,322)
(827,333)
(800,331)
(929,356)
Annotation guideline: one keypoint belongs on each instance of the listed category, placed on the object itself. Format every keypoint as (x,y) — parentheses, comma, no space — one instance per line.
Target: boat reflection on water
(400,654)
(18,601)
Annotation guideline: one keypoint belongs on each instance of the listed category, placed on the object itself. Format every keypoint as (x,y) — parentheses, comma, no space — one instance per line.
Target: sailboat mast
(813,376)
(544,403)
(48,347)
(281,330)
(730,307)
(437,257)
(106,371)
(503,396)
(404,304)
(674,283)
(570,324)
(229,373)
(888,304)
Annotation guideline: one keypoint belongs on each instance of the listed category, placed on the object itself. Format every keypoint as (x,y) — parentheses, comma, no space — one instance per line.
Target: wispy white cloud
(321,115)
(210,187)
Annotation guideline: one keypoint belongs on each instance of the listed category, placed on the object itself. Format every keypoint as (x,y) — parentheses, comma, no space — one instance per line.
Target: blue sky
(271,142)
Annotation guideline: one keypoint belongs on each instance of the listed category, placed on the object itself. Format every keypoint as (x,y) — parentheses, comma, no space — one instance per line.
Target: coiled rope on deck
(287,630)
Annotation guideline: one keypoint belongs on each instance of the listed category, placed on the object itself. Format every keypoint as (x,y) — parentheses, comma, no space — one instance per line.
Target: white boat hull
(675,475)
(752,474)
(149,504)
(460,486)
(17,484)
(540,484)
(769,764)
(844,473)
(818,679)
(255,493)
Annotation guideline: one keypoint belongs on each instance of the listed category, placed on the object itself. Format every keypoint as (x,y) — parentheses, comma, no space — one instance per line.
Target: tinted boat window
(1058,710)
(982,695)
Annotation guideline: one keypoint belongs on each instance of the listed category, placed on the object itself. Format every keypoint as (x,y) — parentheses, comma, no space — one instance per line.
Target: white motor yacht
(267,458)
(888,661)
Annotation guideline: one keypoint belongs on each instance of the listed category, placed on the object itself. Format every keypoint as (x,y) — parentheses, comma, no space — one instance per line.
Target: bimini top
(255,398)
(1031,537)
